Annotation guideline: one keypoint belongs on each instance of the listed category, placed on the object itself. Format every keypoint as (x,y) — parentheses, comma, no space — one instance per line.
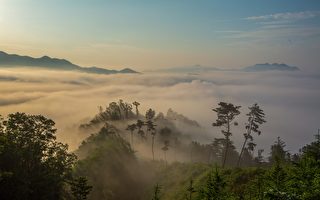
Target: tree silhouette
(165,148)
(127,109)
(80,188)
(33,164)
(226,113)
(131,128)
(156,192)
(151,128)
(255,118)
(190,190)
(150,114)
(136,104)
(140,124)
(278,152)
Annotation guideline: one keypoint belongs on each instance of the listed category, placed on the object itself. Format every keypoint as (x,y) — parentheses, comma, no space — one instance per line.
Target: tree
(136,104)
(131,128)
(165,148)
(190,190)
(226,113)
(35,165)
(215,188)
(80,188)
(156,192)
(277,151)
(127,109)
(150,114)
(140,124)
(151,128)
(255,118)
(312,150)
(276,183)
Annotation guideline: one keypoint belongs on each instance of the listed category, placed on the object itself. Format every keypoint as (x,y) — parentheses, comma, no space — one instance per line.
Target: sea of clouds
(291,100)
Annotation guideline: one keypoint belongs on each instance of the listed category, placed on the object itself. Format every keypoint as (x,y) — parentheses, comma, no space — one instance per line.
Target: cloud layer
(290,100)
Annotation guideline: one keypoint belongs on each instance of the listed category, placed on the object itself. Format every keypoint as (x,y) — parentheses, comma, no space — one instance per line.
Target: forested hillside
(132,155)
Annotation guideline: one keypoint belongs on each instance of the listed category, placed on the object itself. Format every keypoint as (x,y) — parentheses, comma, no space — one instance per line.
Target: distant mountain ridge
(47,62)
(194,69)
(270,67)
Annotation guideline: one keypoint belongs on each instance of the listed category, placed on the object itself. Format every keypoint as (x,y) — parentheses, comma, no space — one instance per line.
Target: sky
(148,35)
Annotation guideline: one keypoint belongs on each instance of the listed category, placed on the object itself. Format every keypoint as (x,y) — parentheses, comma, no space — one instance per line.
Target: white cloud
(290,100)
(286,16)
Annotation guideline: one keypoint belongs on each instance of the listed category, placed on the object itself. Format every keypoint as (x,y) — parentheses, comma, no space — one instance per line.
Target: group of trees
(147,127)
(33,165)
(285,179)
(226,114)
(120,110)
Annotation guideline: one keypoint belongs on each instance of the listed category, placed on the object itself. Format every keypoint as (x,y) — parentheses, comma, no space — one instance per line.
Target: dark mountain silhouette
(270,67)
(46,62)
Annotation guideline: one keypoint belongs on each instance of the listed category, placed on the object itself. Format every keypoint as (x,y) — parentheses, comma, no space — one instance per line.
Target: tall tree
(140,125)
(226,113)
(255,119)
(190,190)
(131,128)
(151,129)
(156,192)
(165,148)
(136,104)
(150,114)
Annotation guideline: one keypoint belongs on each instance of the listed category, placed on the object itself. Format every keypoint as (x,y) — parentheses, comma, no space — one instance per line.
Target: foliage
(32,163)
(156,193)
(255,118)
(215,187)
(109,163)
(226,113)
(80,188)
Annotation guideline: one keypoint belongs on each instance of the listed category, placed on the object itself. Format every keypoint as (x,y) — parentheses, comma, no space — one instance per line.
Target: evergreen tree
(80,188)
(215,187)
(156,192)
(255,118)
(277,151)
(226,113)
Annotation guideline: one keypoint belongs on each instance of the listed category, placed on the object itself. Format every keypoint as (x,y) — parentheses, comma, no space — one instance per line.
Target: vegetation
(111,164)
(33,165)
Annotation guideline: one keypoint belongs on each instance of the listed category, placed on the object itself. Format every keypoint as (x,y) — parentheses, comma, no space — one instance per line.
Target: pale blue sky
(152,34)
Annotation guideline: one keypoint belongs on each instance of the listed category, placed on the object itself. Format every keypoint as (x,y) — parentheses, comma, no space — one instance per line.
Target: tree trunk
(152,147)
(227,144)
(244,144)
(132,139)
(242,149)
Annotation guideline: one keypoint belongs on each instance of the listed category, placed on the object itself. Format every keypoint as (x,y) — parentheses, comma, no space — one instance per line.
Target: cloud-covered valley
(291,100)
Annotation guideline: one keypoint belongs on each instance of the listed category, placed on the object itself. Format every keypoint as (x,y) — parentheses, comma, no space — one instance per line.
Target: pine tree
(226,113)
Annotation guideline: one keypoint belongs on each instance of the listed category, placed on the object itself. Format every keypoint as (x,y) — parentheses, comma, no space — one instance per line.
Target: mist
(289,99)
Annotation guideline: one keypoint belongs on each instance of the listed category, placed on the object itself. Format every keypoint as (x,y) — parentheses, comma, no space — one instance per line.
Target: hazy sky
(152,34)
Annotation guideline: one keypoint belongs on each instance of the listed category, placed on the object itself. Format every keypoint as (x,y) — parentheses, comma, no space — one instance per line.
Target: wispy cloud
(286,16)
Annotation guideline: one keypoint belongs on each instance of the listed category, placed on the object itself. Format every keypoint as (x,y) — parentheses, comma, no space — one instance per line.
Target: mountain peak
(271,67)
(47,62)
